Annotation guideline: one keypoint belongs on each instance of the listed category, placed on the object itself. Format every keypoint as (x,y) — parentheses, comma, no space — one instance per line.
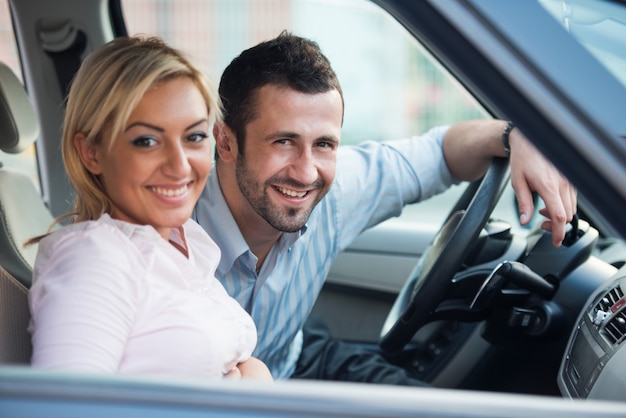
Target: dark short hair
(286,61)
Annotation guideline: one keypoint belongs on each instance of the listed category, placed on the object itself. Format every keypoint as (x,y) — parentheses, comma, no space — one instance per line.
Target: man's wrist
(505,138)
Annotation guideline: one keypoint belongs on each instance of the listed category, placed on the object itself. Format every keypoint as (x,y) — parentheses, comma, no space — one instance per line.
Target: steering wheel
(431,278)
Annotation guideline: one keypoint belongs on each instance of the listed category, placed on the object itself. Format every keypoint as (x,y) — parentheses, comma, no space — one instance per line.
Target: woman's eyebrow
(156,128)
(147,125)
(197,123)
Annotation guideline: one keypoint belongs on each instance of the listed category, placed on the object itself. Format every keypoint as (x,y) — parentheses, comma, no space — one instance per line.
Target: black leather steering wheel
(431,278)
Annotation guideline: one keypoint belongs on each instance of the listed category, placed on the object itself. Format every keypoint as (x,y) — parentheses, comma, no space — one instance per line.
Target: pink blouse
(111,296)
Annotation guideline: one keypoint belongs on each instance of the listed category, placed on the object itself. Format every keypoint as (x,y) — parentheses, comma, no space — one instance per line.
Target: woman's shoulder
(104,225)
(92,243)
(104,235)
(83,253)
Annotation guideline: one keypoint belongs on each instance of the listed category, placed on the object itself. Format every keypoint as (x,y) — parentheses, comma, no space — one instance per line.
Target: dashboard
(594,364)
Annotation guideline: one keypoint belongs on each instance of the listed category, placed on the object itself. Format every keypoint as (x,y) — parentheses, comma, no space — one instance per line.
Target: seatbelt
(64,44)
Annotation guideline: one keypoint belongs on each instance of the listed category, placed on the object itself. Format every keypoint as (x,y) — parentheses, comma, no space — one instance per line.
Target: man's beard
(286,220)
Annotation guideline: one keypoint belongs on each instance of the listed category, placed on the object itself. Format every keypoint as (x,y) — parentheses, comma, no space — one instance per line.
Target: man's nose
(304,167)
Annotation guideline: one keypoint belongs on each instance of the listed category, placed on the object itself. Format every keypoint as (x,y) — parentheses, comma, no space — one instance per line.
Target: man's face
(290,154)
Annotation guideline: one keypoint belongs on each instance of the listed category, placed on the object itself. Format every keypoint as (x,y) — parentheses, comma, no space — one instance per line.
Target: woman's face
(156,169)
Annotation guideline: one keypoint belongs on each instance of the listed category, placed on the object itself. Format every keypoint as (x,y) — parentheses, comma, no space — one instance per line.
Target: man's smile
(290,192)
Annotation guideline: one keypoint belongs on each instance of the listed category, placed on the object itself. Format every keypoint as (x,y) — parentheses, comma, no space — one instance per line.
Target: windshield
(598,25)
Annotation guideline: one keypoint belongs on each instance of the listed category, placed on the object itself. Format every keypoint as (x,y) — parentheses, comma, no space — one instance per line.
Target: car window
(599,25)
(392,87)
(25,161)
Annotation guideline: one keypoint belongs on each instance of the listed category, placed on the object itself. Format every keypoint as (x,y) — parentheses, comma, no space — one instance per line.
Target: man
(270,206)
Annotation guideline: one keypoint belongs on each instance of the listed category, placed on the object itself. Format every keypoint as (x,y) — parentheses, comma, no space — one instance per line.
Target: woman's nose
(176,161)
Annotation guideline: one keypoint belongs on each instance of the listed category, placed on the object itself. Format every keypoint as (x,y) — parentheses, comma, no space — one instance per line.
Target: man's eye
(326,144)
(144,141)
(197,137)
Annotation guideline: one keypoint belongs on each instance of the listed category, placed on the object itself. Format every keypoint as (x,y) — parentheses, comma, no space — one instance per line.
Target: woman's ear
(225,142)
(88,153)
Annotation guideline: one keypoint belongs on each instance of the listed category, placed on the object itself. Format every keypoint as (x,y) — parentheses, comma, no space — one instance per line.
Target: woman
(128,286)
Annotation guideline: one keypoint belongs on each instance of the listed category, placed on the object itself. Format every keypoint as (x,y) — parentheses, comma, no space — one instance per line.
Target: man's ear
(225,142)
(88,153)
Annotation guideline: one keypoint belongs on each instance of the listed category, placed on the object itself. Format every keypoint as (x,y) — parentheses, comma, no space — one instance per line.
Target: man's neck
(259,241)
(258,234)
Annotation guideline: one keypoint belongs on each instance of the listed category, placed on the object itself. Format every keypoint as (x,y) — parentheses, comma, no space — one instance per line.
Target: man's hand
(469,148)
(530,171)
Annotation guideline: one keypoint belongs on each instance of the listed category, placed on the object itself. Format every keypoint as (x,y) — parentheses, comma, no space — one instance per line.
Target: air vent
(615,328)
(609,315)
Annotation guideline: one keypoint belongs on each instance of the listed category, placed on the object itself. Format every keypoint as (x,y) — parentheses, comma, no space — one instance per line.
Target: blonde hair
(106,89)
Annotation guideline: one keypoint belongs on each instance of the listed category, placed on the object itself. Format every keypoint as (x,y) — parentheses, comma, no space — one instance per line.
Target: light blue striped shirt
(373,183)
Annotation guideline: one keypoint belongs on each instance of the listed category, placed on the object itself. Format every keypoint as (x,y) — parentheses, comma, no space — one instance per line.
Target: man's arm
(468,149)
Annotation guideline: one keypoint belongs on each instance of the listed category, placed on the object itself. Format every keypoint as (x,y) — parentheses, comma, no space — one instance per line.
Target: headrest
(18,123)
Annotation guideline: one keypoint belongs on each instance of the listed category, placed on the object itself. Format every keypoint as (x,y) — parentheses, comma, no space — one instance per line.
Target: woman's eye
(197,137)
(144,141)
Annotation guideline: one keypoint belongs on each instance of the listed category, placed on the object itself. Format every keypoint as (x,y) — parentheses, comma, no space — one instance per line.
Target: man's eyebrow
(283,134)
(157,128)
(293,135)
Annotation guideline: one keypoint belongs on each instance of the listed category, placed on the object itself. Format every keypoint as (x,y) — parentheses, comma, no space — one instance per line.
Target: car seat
(23,215)
(15,343)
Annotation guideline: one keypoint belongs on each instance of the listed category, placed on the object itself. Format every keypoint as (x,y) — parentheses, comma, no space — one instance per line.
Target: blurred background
(392,87)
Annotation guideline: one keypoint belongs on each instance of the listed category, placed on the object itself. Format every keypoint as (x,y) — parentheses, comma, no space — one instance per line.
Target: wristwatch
(505,138)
